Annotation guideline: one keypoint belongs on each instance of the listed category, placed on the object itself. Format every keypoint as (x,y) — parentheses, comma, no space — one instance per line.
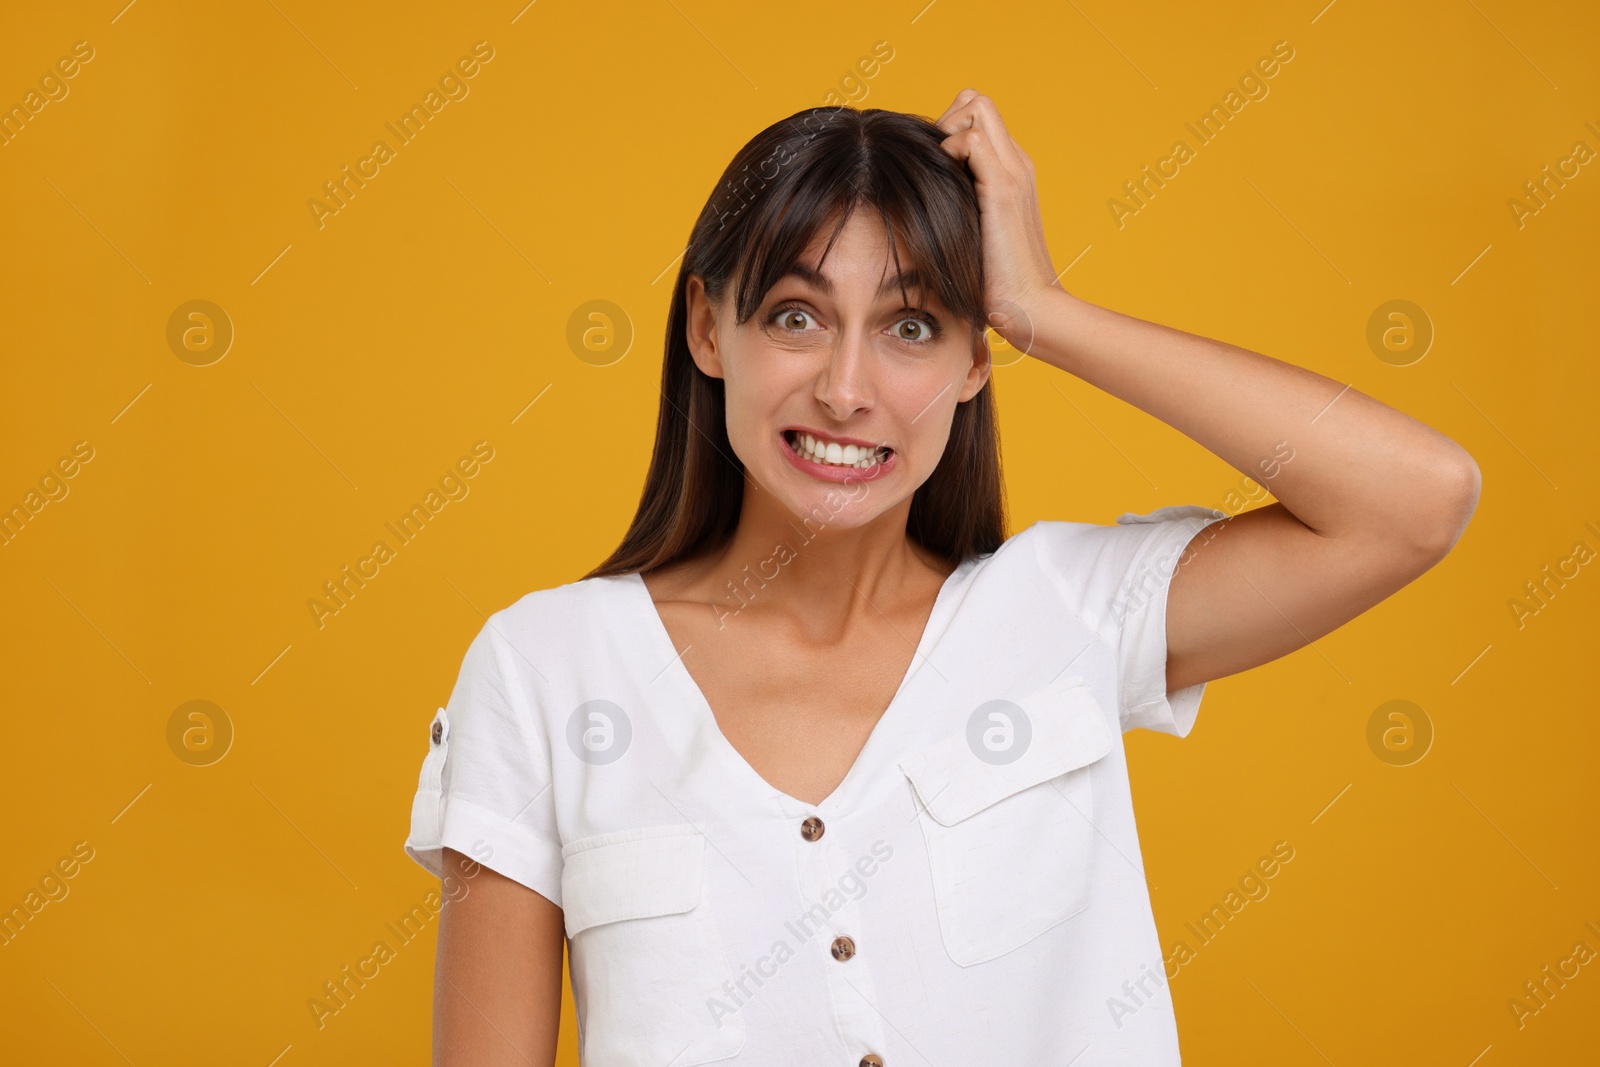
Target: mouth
(837,455)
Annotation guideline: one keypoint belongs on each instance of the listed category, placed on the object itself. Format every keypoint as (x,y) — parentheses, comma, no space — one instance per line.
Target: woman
(820,767)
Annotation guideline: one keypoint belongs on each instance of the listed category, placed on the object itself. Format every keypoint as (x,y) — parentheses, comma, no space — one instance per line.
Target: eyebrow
(908,279)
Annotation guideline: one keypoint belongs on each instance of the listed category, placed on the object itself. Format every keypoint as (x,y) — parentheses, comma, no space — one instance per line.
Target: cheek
(928,444)
(924,406)
(921,392)
(754,391)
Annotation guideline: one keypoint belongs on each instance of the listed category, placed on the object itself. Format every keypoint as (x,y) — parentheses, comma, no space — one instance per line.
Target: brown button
(438,732)
(872,1059)
(811,829)
(843,948)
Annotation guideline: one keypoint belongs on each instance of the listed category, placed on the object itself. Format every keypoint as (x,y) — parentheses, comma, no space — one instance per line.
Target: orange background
(432,311)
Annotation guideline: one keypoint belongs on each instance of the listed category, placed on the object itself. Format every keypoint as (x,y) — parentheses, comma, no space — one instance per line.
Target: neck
(822,566)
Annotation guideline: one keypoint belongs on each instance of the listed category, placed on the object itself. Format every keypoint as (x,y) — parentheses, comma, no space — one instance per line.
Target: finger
(980,113)
(989,164)
(975,146)
(960,101)
(1005,145)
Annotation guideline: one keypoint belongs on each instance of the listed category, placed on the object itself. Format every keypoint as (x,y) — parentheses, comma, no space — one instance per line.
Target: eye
(915,328)
(790,318)
(918,328)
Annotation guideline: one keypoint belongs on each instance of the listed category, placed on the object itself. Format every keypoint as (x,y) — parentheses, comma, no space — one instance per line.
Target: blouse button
(872,1059)
(438,732)
(811,829)
(843,948)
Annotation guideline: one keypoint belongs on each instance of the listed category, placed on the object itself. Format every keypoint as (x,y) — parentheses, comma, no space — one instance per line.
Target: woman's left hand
(1017,270)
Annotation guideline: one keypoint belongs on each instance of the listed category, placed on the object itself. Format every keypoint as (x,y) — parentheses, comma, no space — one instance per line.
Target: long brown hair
(781,188)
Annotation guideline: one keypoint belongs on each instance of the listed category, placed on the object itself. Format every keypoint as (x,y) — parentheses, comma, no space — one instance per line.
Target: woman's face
(837,356)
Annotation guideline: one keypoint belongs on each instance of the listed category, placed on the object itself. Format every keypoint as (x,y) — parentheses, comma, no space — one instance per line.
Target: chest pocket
(647,958)
(1011,845)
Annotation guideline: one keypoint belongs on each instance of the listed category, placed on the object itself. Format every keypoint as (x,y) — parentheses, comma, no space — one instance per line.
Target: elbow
(1447,510)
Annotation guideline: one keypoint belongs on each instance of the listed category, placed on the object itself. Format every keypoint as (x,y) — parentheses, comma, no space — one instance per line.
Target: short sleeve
(1116,579)
(486,789)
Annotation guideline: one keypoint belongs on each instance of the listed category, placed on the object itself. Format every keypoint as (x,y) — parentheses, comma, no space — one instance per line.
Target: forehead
(860,255)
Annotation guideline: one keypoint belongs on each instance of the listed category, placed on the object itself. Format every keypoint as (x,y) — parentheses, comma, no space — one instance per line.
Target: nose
(845,385)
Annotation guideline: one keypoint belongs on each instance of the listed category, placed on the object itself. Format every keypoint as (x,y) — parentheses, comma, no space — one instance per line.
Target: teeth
(833,454)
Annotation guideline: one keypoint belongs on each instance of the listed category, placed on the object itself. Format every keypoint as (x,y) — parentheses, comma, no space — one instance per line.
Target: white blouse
(973,890)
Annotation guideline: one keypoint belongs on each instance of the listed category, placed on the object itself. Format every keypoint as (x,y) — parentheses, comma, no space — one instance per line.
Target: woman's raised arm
(1368,498)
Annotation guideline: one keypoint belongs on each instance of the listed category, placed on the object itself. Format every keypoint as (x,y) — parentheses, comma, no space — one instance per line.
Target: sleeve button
(438,731)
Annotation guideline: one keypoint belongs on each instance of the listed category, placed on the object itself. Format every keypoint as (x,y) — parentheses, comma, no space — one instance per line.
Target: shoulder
(1099,568)
(552,624)
(1062,544)
(551,604)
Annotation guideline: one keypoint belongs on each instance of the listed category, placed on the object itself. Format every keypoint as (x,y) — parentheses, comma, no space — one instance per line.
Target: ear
(701,329)
(978,373)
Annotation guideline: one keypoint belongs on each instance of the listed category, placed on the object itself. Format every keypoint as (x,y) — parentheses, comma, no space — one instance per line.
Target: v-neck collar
(656,633)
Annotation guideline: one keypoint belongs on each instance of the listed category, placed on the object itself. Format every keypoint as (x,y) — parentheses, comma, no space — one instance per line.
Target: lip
(835,474)
(858,442)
